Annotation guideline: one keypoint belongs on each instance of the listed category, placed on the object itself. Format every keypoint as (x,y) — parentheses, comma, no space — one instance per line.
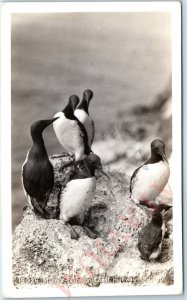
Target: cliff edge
(44,253)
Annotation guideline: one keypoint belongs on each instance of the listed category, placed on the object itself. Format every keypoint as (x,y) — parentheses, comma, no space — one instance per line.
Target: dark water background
(125,58)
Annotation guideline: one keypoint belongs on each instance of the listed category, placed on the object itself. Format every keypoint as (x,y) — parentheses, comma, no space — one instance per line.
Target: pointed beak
(169,206)
(100,169)
(52,120)
(162,153)
(164,157)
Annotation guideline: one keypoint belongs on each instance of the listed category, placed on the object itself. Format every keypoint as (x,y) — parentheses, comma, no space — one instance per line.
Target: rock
(44,253)
(169,278)
(127,142)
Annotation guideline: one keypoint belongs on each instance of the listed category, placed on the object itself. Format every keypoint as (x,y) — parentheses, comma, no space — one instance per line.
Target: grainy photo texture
(91,133)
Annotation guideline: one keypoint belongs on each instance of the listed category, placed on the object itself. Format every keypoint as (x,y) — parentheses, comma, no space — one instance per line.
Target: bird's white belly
(157,252)
(69,135)
(150,181)
(85,119)
(77,197)
(163,229)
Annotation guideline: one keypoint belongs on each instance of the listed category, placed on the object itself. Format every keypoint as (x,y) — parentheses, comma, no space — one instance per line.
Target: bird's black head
(38,127)
(88,95)
(73,101)
(158,148)
(161,208)
(86,168)
(159,212)
(93,162)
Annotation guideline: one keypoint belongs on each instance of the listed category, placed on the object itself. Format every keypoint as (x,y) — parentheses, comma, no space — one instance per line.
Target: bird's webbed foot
(73,233)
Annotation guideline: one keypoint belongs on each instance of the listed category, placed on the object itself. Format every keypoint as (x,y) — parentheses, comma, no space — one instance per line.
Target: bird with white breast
(70,132)
(149,180)
(79,192)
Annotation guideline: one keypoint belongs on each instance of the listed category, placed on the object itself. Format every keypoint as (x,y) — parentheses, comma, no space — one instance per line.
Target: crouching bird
(151,236)
(37,171)
(148,181)
(82,114)
(78,193)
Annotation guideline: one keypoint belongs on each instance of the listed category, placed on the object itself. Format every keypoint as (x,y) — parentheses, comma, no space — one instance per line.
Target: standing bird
(82,113)
(37,171)
(70,132)
(151,236)
(148,181)
(79,192)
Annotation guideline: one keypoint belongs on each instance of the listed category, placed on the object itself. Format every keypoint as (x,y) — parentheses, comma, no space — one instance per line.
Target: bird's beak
(100,169)
(162,153)
(169,206)
(52,120)
(164,157)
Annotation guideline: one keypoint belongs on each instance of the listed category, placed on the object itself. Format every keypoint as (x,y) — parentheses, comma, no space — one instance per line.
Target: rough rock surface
(44,253)
(126,144)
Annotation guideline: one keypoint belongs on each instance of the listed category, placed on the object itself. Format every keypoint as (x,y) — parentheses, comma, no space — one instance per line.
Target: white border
(104,290)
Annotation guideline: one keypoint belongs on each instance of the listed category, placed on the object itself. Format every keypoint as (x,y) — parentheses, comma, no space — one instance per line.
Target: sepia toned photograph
(93,204)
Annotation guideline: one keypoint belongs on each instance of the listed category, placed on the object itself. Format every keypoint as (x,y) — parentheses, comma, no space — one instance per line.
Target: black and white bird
(79,192)
(148,181)
(70,132)
(82,113)
(151,236)
(37,171)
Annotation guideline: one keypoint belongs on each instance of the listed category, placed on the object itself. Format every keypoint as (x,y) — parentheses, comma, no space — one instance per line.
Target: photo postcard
(91,188)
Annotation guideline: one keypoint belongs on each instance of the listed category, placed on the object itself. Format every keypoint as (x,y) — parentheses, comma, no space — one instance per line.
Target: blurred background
(125,58)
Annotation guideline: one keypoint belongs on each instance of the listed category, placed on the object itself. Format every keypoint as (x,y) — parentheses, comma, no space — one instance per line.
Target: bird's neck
(83,171)
(37,138)
(83,105)
(157,219)
(38,145)
(68,112)
(154,158)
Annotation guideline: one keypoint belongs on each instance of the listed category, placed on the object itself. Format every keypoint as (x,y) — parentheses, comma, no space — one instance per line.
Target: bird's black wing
(87,149)
(157,237)
(36,184)
(133,178)
(149,239)
(93,136)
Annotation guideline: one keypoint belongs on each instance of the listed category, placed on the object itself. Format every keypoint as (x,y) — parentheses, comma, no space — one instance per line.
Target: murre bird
(148,181)
(79,192)
(82,113)
(70,131)
(37,171)
(151,236)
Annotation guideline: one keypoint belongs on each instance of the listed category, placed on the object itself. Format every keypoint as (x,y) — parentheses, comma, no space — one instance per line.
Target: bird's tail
(41,209)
